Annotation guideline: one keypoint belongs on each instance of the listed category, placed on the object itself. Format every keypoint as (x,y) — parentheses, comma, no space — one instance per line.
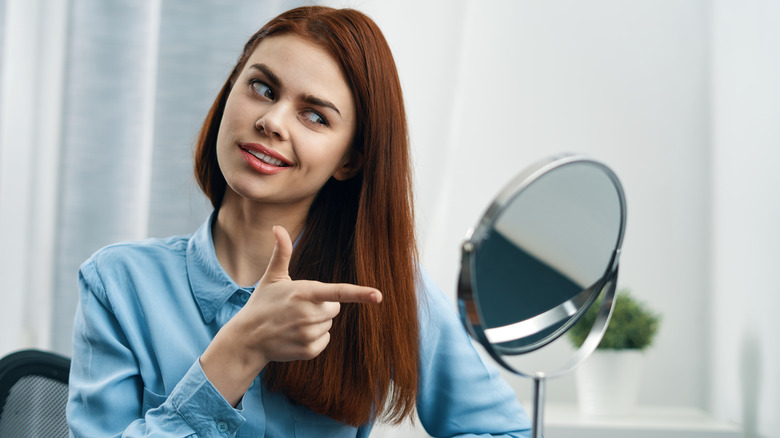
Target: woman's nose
(272,123)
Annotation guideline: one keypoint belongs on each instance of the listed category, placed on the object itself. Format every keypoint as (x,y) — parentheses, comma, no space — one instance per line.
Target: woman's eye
(315,118)
(263,89)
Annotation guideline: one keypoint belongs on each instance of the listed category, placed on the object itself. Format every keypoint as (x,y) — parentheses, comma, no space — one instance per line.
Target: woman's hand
(283,320)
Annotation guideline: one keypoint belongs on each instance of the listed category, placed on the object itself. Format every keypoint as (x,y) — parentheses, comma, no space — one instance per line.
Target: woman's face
(288,124)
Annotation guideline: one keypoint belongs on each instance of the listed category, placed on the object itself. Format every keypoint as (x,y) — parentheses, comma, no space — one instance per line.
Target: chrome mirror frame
(468,294)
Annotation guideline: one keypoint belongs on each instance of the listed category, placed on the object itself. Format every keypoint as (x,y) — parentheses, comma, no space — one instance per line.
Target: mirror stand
(537,422)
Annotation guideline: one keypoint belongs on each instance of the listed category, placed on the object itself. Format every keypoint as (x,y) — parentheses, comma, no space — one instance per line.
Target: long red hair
(358,231)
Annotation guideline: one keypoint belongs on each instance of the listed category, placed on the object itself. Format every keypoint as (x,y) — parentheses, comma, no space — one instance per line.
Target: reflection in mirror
(547,251)
(546,248)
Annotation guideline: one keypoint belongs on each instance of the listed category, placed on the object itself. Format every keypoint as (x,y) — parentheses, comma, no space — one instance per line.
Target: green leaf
(632,326)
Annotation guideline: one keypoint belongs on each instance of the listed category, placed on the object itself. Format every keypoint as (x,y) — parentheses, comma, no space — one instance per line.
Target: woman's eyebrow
(320,102)
(272,78)
(276,82)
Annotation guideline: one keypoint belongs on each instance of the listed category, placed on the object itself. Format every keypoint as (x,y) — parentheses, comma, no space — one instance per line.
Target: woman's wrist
(231,367)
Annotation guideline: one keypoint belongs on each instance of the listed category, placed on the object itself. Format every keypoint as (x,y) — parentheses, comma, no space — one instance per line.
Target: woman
(236,331)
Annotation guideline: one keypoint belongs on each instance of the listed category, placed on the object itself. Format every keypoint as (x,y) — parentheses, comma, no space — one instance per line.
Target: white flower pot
(608,382)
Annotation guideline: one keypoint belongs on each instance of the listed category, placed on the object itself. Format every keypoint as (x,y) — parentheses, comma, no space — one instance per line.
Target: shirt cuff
(203,407)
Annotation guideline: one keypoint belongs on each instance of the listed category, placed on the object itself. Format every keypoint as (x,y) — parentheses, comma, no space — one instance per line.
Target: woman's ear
(350,167)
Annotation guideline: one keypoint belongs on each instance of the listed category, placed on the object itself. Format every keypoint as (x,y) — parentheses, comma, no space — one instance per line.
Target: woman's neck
(243,236)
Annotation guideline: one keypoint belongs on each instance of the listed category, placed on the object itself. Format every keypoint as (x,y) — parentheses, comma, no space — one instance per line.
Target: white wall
(745,352)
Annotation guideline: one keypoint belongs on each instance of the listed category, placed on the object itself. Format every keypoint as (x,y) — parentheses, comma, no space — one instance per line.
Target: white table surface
(565,421)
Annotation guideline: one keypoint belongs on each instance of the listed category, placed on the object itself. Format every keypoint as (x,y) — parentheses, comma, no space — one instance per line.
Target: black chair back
(33,394)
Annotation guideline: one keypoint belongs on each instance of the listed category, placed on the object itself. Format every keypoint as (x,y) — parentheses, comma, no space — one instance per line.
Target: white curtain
(137,80)
(140,78)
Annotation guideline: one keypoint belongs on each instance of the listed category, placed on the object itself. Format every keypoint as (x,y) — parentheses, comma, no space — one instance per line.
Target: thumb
(279,265)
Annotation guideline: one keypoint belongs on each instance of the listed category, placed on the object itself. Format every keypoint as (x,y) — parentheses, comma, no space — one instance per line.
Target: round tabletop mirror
(540,256)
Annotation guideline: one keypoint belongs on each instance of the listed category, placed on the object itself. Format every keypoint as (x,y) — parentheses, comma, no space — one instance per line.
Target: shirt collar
(210,284)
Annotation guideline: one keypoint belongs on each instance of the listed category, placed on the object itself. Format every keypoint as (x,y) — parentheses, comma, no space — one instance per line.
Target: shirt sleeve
(460,394)
(106,392)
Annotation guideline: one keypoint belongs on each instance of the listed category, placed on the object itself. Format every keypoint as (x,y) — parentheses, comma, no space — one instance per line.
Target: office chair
(33,394)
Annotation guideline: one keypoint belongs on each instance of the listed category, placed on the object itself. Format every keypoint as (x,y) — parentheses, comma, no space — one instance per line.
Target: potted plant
(608,381)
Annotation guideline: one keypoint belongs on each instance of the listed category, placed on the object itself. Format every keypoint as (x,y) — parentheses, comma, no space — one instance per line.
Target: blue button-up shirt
(149,309)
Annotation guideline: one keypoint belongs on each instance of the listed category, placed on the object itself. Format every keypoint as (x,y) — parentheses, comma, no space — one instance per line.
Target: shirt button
(243,298)
(222,426)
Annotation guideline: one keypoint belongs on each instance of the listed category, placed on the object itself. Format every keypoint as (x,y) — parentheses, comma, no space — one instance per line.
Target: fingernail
(376,297)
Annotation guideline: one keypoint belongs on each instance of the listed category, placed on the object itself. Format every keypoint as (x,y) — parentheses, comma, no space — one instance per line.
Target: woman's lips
(262,159)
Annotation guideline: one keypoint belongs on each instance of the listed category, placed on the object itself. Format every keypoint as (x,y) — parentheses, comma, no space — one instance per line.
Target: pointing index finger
(345,293)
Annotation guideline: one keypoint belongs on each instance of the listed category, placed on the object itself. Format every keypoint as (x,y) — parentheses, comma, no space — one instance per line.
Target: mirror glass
(541,254)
